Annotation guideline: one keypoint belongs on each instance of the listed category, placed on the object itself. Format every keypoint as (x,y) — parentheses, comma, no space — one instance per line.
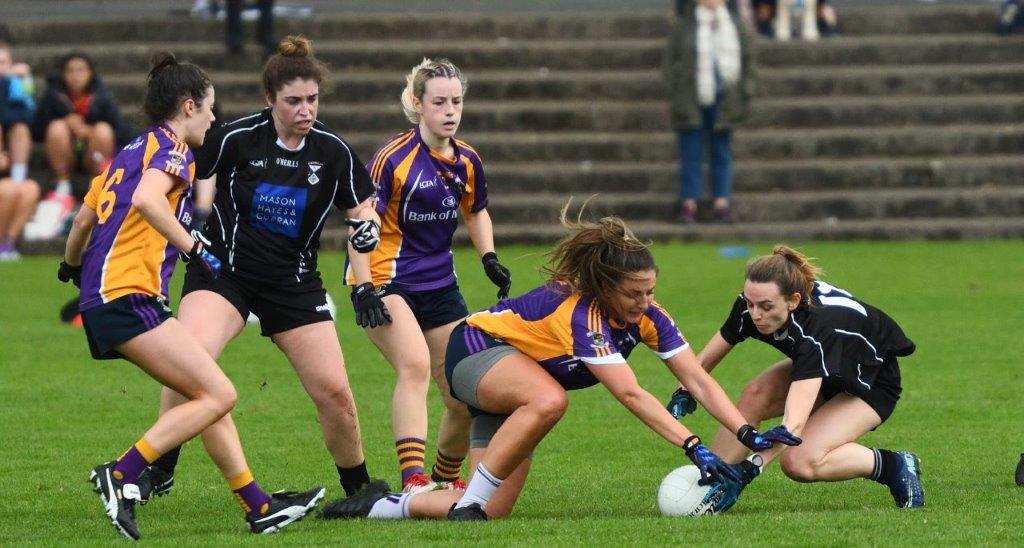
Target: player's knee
(414,372)
(338,397)
(58,130)
(223,397)
(498,511)
(550,405)
(102,134)
(799,466)
(754,401)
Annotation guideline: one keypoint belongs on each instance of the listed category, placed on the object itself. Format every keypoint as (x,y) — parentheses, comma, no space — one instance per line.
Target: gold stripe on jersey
(386,151)
(542,339)
(384,259)
(468,197)
(465,145)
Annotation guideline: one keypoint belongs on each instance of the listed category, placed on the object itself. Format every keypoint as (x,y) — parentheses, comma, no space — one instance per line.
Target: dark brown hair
(294,59)
(789,269)
(170,83)
(596,257)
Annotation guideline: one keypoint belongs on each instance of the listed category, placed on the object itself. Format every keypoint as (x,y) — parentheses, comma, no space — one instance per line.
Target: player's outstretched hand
(365,234)
(711,467)
(681,404)
(202,257)
(756,441)
(498,274)
(67,273)
(369,307)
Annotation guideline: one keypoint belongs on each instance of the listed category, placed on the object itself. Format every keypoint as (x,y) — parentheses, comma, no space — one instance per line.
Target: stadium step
(912,114)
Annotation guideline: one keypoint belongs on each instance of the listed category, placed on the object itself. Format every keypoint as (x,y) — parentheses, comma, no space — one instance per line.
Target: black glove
(201,256)
(498,274)
(67,273)
(366,235)
(756,441)
(199,216)
(370,309)
(681,403)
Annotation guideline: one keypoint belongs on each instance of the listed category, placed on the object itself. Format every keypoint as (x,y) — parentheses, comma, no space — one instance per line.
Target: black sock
(168,461)
(353,478)
(886,465)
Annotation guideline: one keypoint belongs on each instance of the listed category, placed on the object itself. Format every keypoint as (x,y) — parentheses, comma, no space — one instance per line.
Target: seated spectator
(79,121)
(765,14)
(18,193)
(1011,17)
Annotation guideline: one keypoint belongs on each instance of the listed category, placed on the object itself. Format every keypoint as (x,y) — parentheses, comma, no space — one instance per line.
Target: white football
(680,495)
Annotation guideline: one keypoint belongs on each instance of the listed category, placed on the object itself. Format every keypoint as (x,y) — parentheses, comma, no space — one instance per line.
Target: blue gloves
(756,441)
(711,467)
(204,258)
(681,404)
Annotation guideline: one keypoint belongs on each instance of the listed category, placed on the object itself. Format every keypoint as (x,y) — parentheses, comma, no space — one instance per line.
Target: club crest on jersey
(314,168)
(449,201)
(177,159)
(597,340)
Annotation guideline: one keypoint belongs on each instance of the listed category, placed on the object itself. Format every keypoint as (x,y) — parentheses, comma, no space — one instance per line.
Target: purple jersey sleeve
(591,335)
(659,332)
(476,197)
(384,189)
(175,160)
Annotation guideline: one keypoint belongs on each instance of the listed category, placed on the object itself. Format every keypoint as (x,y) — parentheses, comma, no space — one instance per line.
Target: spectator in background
(764,17)
(234,33)
(708,73)
(80,123)
(18,193)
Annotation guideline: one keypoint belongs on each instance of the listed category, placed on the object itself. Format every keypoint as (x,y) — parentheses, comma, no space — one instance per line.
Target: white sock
(393,506)
(63,187)
(19,172)
(480,489)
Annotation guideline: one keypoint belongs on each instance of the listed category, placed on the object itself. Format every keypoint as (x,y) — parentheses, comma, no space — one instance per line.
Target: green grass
(595,476)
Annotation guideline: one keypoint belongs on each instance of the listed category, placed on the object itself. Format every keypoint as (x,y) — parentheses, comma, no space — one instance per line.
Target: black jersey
(835,337)
(272,202)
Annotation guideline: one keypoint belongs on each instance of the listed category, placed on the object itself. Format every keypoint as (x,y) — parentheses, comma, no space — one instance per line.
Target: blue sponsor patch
(278,208)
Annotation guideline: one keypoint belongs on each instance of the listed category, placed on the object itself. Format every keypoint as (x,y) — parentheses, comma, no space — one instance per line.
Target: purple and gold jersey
(125,254)
(566,333)
(419,195)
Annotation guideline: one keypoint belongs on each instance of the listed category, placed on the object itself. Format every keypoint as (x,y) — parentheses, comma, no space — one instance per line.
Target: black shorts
(279,306)
(111,324)
(432,308)
(884,393)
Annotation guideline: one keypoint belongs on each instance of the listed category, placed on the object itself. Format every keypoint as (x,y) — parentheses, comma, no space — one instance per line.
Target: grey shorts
(466,375)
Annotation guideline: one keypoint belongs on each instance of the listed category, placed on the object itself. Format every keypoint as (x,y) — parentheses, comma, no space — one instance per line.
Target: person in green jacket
(708,72)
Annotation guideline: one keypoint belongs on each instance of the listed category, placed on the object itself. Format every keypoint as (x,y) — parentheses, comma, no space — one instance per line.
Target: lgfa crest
(314,168)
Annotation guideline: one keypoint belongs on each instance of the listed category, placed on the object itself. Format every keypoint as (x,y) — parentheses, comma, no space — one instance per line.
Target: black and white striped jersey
(272,202)
(835,335)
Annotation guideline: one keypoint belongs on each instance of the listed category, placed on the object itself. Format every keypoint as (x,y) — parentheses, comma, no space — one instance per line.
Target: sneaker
(457,484)
(686,213)
(906,490)
(50,217)
(9,255)
(473,512)
(154,482)
(359,504)
(118,499)
(419,483)
(285,508)
(723,215)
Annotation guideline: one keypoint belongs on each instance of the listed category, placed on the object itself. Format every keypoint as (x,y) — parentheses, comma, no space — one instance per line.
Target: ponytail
(790,270)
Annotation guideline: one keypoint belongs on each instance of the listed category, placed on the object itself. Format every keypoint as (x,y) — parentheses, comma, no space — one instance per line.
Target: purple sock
(253,500)
(129,466)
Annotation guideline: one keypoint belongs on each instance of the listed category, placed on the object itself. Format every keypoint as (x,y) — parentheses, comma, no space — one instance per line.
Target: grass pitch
(595,477)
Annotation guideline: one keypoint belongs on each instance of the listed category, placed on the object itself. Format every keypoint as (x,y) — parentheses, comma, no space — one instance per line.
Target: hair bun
(160,61)
(294,46)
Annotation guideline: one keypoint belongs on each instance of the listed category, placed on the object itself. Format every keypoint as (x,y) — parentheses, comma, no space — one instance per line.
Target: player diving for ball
(840,378)
(513,363)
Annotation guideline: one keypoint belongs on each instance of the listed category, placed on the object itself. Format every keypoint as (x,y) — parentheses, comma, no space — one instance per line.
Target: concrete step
(854,21)
(752,176)
(763,144)
(561,54)
(643,84)
(636,116)
(780,207)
